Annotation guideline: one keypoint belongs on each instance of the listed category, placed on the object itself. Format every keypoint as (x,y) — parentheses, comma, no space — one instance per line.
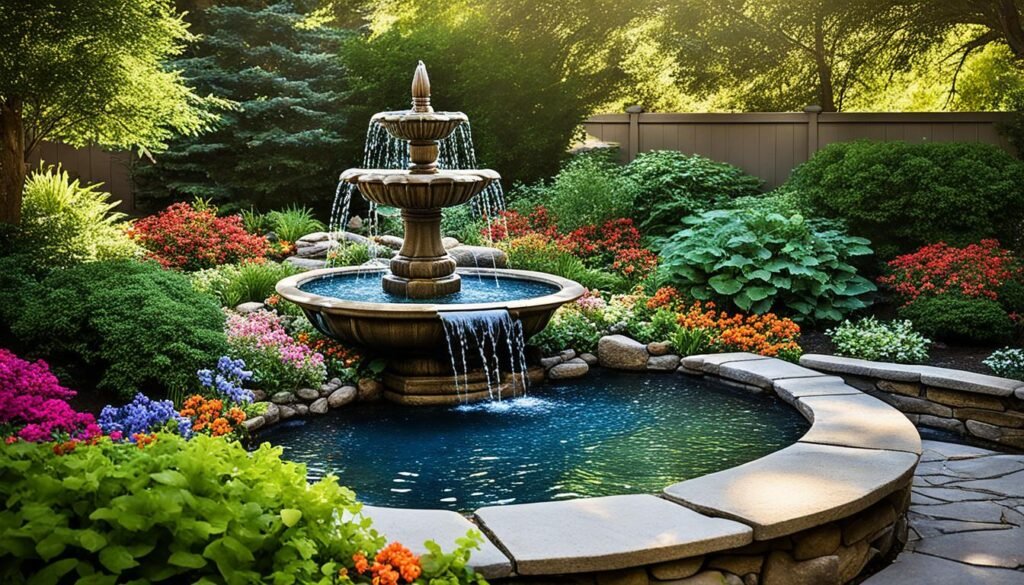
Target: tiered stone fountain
(445,344)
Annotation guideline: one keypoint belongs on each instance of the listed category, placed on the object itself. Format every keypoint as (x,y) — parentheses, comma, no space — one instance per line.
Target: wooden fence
(93,165)
(770,145)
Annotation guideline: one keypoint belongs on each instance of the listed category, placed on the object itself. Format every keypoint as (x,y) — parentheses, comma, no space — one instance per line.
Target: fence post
(812,129)
(634,131)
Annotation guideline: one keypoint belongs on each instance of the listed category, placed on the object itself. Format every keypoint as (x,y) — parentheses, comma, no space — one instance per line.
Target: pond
(608,433)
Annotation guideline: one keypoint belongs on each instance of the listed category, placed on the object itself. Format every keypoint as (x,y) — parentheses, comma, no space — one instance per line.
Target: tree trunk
(1010,22)
(826,92)
(12,160)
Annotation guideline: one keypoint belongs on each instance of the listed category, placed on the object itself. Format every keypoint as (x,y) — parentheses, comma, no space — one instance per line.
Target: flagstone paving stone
(966,520)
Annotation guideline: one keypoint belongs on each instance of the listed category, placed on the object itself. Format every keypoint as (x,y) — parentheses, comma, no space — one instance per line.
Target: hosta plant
(760,261)
(1007,362)
(871,339)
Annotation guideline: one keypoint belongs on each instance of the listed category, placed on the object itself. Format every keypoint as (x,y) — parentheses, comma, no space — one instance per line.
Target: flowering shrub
(977,270)
(211,416)
(342,361)
(185,238)
(227,380)
(766,334)
(33,404)
(1007,362)
(278,361)
(871,339)
(141,417)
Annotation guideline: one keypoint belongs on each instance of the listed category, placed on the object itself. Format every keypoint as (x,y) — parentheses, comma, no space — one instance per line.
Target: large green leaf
(725,284)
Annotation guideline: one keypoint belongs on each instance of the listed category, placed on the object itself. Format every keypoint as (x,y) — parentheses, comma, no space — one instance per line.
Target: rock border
(814,513)
(969,404)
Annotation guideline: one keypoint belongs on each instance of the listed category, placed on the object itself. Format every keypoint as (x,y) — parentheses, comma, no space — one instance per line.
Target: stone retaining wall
(975,405)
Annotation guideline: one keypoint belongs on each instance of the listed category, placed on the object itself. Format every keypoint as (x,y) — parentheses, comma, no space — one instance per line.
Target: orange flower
(220,426)
(236,414)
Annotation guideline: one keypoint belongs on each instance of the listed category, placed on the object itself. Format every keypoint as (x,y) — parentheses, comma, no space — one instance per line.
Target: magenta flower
(33,402)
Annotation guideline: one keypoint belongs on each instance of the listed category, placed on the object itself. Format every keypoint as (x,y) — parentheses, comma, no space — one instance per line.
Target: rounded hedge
(902,196)
(960,319)
(134,325)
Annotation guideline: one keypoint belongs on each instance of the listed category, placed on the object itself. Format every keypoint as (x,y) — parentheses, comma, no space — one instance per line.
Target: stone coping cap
(799,487)
(413,527)
(928,375)
(792,389)
(709,363)
(858,420)
(605,533)
(764,373)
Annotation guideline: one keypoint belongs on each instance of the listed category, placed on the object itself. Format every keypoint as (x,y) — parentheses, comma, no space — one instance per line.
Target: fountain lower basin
(348,304)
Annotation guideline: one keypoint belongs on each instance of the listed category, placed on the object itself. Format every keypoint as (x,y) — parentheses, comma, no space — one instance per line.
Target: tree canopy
(90,71)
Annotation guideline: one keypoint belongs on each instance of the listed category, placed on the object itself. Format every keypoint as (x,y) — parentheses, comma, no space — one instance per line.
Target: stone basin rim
(289,288)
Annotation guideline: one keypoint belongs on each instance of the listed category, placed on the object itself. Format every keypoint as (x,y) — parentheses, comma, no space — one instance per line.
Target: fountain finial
(421,90)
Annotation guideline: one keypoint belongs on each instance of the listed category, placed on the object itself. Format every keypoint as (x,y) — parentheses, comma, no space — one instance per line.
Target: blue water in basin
(475,289)
(609,433)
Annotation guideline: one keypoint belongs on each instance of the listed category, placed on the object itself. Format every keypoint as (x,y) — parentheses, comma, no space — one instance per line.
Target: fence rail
(771,145)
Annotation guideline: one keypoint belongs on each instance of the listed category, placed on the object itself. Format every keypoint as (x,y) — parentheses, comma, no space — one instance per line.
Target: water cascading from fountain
(492,334)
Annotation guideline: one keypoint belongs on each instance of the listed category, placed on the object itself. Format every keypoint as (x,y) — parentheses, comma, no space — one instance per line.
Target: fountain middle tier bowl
(405,190)
(420,126)
(348,304)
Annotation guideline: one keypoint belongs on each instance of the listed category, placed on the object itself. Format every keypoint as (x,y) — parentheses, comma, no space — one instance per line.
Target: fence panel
(93,165)
(771,145)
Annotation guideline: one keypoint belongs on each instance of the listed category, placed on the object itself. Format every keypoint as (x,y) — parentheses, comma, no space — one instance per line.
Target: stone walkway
(966,520)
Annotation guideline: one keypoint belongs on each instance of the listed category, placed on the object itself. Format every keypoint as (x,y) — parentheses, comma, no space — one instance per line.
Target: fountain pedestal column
(422,269)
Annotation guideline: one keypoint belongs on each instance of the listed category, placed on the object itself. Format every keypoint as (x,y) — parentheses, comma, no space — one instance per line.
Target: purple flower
(143,415)
(227,380)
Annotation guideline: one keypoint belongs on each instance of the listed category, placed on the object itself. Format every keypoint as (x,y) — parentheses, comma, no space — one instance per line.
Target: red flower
(185,238)
(978,270)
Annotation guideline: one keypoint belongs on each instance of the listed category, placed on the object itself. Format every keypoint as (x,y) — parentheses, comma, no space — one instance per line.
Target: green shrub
(537,254)
(234,284)
(589,191)
(293,222)
(761,261)
(349,254)
(568,329)
(661,325)
(255,223)
(671,185)
(1011,295)
(64,223)
(132,325)
(205,510)
(1007,362)
(960,319)
(460,223)
(902,196)
(871,339)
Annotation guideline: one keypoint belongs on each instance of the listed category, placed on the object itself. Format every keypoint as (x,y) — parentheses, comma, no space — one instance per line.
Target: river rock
(258,395)
(550,362)
(342,396)
(663,363)
(448,242)
(369,389)
(272,414)
(317,250)
(478,257)
(251,307)
(306,263)
(680,569)
(590,358)
(283,397)
(658,348)
(287,412)
(622,353)
(319,406)
(251,424)
(301,409)
(567,354)
(781,569)
(307,394)
(314,238)
(574,368)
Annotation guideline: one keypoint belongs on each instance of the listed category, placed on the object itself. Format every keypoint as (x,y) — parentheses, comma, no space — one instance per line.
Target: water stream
(497,338)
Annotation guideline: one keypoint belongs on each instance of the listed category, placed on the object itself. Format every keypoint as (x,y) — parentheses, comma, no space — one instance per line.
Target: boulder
(663,363)
(449,242)
(781,569)
(393,242)
(622,353)
(287,412)
(319,406)
(574,368)
(301,409)
(316,250)
(567,354)
(342,396)
(283,397)
(550,362)
(251,307)
(306,263)
(590,358)
(478,257)
(307,394)
(369,389)
(259,395)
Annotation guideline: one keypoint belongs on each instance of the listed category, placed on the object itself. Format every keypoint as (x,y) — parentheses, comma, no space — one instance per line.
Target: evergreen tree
(287,137)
